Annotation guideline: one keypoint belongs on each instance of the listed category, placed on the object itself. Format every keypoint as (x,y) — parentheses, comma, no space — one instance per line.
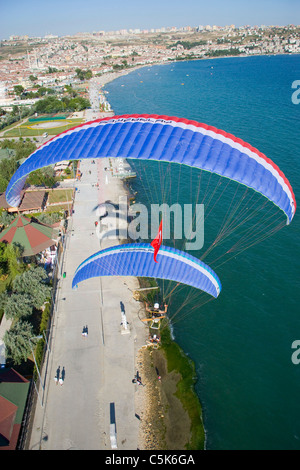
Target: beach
(110,76)
(165,425)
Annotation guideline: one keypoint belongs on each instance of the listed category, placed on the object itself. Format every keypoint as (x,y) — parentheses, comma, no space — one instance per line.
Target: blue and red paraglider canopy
(163,138)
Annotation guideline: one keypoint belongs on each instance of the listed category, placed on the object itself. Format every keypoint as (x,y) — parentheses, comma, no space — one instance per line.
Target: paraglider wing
(167,139)
(137,260)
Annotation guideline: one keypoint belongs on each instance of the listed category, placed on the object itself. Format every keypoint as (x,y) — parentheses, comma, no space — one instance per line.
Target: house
(14,391)
(31,201)
(60,167)
(31,236)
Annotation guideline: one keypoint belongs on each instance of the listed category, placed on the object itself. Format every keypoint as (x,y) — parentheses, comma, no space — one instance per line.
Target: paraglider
(163,138)
(137,260)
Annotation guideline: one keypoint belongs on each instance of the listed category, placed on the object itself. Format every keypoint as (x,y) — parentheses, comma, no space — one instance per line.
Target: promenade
(98,369)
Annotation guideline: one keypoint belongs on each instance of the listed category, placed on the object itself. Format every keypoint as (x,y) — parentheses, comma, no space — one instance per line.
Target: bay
(241,342)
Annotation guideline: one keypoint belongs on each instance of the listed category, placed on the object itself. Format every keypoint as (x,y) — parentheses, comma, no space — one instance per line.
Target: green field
(56,196)
(28,129)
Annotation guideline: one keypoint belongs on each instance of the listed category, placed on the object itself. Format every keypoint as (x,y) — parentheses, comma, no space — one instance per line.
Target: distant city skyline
(68,17)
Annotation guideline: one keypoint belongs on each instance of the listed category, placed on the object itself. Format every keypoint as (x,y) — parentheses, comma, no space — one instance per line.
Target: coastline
(168,408)
(110,76)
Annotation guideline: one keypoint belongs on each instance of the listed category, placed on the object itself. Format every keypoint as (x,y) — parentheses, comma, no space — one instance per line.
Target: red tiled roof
(13,395)
(11,376)
(7,418)
(32,236)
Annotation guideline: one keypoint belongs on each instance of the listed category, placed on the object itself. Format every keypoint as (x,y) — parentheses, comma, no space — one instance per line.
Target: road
(98,368)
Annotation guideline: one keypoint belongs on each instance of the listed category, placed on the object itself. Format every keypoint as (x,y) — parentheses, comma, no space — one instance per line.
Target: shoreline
(111,76)
(168,407)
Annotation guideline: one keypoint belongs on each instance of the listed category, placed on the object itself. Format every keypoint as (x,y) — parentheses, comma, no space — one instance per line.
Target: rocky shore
(164,423)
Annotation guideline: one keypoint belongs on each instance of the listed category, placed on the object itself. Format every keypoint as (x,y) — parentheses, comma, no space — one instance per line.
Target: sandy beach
(110,76)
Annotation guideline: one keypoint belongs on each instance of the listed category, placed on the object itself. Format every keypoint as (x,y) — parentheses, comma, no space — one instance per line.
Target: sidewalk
(4,326)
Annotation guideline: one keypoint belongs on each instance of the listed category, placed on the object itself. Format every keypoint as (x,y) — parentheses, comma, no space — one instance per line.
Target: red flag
(156,243)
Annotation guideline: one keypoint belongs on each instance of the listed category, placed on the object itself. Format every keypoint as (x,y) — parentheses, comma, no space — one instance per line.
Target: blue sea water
(241,342)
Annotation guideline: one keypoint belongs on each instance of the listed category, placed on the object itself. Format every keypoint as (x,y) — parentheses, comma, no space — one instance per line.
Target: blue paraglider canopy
(137,260)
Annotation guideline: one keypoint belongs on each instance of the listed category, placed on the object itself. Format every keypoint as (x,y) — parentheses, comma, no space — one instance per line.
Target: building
(31,236)
(31,201)
(14,391)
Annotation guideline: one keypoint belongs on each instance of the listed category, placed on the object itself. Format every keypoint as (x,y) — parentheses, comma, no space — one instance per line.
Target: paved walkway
(4,326)
(98,368)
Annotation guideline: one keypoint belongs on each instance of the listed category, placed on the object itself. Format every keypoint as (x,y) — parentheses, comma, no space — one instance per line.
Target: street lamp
(37,337)
(44,333)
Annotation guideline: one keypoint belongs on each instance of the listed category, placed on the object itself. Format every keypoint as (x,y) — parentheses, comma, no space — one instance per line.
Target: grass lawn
(58,207)
(59,195)
(28,128)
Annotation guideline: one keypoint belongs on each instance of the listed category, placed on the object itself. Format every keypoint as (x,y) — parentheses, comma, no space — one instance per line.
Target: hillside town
(52,61)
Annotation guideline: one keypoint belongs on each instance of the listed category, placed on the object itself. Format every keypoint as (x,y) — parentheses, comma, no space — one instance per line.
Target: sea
(242,342)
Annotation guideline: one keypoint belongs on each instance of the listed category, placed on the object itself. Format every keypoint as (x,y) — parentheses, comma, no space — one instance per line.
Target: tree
(69,89)
(8,166)
(10,264)
(5,217)
(84,74)
(32,283)
(3,184)
(78,104)
(49,105)
(49,218)
(15,110)
(18,341)
(42,177)
(18,306)
(18,89)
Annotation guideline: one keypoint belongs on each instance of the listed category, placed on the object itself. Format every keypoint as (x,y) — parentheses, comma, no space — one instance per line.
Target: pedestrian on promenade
(56,378)
(84,331)
(62,378)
